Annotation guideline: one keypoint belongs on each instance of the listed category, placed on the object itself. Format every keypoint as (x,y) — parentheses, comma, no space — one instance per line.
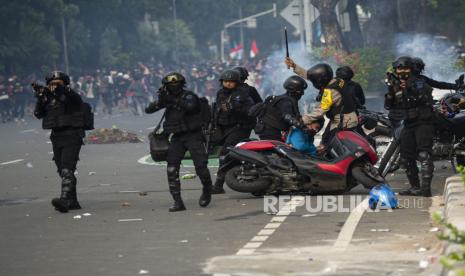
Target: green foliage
(369,64)
(455,260)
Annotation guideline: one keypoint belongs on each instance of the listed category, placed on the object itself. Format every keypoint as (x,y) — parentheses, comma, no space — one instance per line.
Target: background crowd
(109,91)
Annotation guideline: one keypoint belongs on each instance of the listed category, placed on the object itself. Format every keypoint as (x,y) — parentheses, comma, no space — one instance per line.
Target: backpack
(88,116)
(205,111)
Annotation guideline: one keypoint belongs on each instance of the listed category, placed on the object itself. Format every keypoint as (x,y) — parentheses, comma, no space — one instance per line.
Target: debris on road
(111,136)
(188,176)
(423,264)
(77,217)
(308,215)
(381,230)
(130,220)
(11,162)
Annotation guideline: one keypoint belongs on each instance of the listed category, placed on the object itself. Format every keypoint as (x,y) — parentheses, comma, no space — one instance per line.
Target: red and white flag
(253,49)
(236,51)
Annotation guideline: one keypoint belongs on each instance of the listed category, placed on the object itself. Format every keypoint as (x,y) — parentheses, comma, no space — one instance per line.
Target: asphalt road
(128,233)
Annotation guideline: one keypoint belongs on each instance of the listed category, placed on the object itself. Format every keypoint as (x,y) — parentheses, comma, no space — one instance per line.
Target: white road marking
(276,221)
(348,229)
(11,162)
(28,130)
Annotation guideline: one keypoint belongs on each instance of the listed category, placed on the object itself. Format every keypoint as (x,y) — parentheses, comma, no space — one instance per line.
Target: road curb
(454,210)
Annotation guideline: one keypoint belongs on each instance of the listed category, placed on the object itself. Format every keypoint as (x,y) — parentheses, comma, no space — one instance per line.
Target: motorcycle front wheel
(367,175)
(241,180)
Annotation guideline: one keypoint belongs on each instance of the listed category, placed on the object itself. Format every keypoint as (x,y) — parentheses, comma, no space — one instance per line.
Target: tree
(382,25)
(331,29)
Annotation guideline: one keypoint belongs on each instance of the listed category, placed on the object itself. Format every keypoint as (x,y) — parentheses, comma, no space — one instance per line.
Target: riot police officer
(243,85)
(231,114)
(409,98)
(60,109)
(338,106)
(185,123)
(281,112)
(352,87)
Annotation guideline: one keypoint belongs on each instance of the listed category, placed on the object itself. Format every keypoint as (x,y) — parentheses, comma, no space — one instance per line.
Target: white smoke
(275,72)
(438,54)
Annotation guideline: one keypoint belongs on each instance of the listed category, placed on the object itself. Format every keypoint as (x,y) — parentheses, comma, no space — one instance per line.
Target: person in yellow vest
(339,107)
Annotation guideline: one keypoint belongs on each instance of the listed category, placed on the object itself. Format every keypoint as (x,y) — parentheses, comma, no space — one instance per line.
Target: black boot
(206,180)
(218,187)
(426,187)
(178,204)
(412,176)
(175,189)
(63,203)
(427,169)
(414,189)
(74,205)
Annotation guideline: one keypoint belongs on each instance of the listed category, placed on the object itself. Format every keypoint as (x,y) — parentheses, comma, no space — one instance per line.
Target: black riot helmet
(403,62)
(320,75)
(230,75)
(173,77)
(174,82)
(295,86)
(345,73)
(242,72)
(57,75)
(418,65)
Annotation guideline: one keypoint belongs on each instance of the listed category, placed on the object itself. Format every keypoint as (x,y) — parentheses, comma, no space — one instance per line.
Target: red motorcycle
(273,167)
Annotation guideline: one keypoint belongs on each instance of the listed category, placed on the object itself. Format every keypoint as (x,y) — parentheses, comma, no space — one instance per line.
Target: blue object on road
(382,196)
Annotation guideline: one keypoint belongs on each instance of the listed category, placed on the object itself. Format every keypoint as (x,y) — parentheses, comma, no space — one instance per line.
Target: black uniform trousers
(194,143)
(66,148)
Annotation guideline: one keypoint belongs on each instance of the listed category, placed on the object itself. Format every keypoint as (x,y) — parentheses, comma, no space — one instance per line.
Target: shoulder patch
(326,100)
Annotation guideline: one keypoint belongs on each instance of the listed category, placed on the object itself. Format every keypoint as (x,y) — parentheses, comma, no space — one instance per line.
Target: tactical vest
(347,101)
(56,116)
(272,115)
(414,102)
(230,117)
(178,120)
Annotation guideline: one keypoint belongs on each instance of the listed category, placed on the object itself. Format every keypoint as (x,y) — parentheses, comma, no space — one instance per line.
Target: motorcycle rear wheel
(257,185)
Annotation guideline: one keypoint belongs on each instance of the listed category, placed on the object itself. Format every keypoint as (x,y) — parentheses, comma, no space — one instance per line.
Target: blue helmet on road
(382,196)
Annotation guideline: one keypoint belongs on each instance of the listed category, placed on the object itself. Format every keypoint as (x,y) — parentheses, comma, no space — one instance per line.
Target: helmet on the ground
(320,75)
(295,83)
(418,65)
(382,196)
(230,75)
(345,73)
(57,75)
(173,77)
(242,72)
(404,62)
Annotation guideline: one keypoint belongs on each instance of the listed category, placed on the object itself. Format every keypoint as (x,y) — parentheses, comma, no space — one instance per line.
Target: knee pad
(173,173)
(423,156)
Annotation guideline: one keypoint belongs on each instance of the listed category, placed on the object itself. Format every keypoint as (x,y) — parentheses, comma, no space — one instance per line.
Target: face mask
(296,94)
(174,88)
(403,75)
